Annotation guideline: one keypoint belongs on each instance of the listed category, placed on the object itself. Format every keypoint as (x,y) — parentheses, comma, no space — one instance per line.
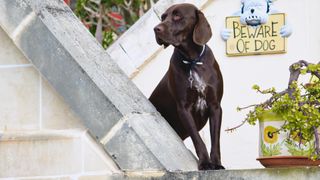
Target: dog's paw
(205,166)
(209,166)
(218,167)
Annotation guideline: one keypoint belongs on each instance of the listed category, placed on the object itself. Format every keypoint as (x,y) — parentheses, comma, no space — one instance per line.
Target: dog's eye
(176,17)
(163,17)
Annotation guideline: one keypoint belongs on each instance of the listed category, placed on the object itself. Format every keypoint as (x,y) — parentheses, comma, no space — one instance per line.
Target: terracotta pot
(287,161)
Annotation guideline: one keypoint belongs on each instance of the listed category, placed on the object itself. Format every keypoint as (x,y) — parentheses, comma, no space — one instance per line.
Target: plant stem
(236,127)
(316,143)
(98,33)
(295,71)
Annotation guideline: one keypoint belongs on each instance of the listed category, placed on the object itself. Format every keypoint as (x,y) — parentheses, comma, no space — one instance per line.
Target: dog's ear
(202,31)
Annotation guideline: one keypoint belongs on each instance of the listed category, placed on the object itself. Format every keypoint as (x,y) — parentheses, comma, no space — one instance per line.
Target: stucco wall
(240,148)
(40,137)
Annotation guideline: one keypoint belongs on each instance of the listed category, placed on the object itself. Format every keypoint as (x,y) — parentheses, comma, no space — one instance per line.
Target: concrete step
(52,153)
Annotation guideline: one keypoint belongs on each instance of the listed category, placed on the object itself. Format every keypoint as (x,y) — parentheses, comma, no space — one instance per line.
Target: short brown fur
(186,28)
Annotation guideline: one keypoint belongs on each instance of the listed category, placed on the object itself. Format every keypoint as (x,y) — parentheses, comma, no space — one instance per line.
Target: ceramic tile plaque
(265,39)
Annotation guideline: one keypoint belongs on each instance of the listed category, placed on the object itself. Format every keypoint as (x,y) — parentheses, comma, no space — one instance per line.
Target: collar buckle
(196,61)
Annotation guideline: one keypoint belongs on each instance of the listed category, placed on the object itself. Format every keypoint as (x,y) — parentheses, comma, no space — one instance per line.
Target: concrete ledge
(96,89)
(299,173)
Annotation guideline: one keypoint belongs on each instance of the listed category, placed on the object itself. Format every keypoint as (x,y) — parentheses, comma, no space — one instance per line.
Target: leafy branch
(298,105)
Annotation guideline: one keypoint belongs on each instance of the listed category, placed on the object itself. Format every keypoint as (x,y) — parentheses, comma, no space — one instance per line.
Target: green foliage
(256,87)
(108,38)
(272,150)
(79,11)
(300,149)
(299,106)
(115,16)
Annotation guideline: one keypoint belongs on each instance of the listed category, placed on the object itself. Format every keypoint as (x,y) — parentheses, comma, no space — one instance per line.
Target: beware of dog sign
(263,39)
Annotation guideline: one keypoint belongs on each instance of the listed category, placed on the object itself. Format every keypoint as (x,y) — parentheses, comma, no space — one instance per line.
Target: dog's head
(255,12)
(180,23)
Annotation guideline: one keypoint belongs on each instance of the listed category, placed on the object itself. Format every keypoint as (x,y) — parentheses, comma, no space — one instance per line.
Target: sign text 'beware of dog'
(263,39)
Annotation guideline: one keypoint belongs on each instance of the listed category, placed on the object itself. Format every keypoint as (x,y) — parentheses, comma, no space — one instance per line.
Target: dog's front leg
(189,124)
(215,126)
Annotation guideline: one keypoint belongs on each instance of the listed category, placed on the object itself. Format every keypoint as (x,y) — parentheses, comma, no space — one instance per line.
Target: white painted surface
(240,148)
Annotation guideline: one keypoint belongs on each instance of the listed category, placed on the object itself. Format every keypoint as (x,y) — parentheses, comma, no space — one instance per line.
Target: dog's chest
(198,85)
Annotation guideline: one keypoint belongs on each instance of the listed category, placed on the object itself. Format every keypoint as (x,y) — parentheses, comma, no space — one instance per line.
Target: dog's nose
(252,10)
(158,29)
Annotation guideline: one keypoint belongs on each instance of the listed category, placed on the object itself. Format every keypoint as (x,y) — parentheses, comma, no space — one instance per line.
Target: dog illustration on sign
(255,13)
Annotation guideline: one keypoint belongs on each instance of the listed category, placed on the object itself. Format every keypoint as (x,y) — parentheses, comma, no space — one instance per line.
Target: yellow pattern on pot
(270,134)
(297,137)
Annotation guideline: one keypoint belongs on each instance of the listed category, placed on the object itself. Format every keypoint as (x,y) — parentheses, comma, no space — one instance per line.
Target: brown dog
(190,92)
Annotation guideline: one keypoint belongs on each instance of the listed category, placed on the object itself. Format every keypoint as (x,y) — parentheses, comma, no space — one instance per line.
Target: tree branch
(91,11)
(236,127)
(316,143)
(295,71)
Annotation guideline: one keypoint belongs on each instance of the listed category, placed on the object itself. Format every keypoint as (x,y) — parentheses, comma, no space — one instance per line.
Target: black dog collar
(193,62)
(196,61)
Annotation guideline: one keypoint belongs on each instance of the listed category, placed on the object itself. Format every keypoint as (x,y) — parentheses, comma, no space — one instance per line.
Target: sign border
(258,53)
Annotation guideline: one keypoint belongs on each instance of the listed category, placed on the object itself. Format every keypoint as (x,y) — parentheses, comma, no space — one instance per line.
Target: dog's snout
(252,10)
(158,29)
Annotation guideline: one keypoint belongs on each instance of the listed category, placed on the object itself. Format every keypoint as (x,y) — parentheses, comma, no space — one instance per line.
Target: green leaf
(303,71)
(256,87)
(272,150)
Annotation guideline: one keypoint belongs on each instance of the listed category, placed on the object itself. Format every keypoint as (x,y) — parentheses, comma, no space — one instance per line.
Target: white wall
(240,148)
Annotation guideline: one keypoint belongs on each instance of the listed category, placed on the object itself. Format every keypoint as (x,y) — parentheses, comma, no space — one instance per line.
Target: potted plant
(289,120)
